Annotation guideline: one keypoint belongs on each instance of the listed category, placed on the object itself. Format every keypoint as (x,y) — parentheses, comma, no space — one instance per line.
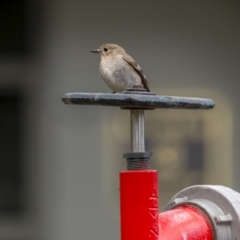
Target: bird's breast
(118,74)
(108,67)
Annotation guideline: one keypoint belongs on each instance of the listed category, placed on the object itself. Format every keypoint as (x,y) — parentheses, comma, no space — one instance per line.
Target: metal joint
(220,204)
(138,160)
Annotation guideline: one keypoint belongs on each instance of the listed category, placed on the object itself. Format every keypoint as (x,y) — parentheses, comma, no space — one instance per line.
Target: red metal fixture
(140,218)
(184,223)
(139,205)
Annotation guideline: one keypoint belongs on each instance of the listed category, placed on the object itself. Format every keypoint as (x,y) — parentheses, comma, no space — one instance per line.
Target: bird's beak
(95,51)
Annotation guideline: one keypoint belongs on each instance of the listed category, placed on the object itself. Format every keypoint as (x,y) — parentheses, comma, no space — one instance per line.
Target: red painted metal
(184,223)
(139,205)
(139,212)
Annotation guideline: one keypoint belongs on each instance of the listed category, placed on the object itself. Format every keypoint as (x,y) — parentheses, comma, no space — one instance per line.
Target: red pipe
(139,205)
(139,212)
(184,222)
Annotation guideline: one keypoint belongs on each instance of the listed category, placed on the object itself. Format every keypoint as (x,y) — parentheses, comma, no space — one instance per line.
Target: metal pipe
(137,131)
(185,222)
(139,205)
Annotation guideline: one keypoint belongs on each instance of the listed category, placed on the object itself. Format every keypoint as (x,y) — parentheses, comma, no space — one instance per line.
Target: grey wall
(179,44)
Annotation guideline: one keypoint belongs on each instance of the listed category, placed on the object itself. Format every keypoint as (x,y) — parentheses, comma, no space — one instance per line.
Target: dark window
(12,26)
(10,153)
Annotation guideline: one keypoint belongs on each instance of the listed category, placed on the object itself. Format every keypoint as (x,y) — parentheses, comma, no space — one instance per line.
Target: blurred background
(59,163)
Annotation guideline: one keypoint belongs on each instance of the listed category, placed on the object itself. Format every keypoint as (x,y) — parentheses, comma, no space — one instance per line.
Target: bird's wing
(138,69)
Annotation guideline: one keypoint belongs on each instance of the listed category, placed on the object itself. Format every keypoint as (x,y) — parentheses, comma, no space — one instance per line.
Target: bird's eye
(105,49)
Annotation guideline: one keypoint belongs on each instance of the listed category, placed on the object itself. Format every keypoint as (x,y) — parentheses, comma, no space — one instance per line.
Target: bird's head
(109,49)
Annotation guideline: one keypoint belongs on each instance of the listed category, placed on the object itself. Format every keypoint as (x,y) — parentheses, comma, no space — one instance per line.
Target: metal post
(137,131)
(138,186)
(138,159)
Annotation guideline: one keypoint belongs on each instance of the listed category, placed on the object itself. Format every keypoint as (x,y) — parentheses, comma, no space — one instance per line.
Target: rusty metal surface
(137,101)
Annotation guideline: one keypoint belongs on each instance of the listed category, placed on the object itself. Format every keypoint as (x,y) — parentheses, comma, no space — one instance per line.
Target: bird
(118,69)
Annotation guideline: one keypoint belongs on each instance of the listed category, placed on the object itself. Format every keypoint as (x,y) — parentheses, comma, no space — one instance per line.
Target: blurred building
(59,164)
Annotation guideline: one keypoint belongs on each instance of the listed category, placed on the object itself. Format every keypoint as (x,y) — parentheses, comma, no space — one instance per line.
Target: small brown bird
(118,69)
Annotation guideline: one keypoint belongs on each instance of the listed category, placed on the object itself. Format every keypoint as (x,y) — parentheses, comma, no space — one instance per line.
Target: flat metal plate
(137,101)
